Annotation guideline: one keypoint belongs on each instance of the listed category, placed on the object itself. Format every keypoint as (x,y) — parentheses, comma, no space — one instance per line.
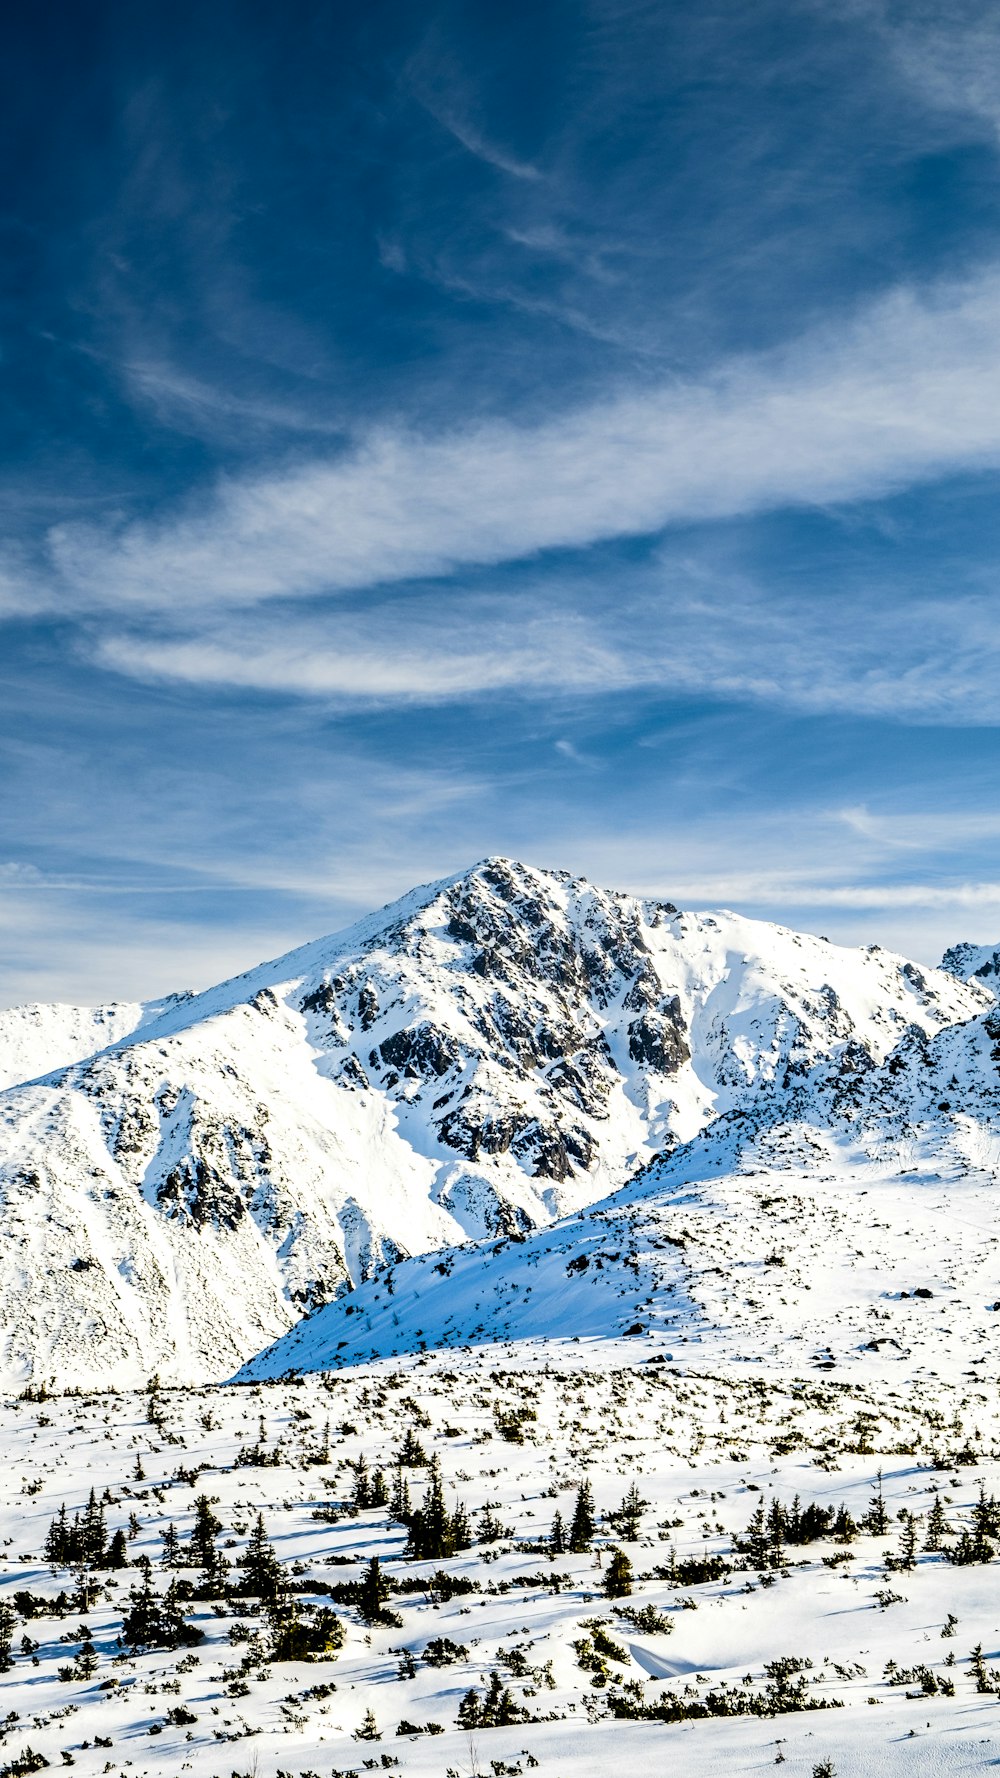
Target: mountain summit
(487,1054)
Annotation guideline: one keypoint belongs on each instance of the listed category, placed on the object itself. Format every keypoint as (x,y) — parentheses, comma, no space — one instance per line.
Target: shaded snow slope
(489,1053)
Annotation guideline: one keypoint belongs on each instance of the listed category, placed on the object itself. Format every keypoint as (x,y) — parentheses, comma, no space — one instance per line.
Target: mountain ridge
(486,1054)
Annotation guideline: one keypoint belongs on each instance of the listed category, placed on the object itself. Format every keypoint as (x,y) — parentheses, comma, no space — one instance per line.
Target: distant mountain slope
(858,1232)
(488,1053)
(36,1039)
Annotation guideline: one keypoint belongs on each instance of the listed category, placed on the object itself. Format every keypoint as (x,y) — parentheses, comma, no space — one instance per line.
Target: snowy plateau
(536,1329)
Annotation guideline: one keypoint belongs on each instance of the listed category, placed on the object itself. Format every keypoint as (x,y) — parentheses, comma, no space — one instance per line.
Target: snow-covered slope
(858,1228)
(489,1053)
(36,1039)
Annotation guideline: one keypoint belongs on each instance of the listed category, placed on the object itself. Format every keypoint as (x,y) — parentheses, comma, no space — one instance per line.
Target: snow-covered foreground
(582,1674)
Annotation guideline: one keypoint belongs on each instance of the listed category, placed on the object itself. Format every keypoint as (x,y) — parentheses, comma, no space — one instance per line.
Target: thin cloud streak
(904,393)
(659,629)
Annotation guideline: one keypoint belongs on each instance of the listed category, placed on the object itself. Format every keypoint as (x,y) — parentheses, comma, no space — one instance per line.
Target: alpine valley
(534,1328)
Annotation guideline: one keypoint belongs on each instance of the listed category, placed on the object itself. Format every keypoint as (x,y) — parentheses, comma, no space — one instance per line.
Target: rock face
(485,1055)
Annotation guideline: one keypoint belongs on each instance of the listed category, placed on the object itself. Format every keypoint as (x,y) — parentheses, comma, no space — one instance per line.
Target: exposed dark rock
(419,1050)
(659,1038)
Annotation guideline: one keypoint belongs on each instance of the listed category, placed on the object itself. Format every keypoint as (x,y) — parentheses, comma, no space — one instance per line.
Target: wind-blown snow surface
(487,1054)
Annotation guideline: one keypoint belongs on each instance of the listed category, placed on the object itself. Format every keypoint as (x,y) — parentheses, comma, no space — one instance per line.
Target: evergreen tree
(469,1712)
(985,1525)
(297,1637)
(627,1521)
(557,1536)
(212,1579)
(171,1552)
(756,1542)
(906,1560)
(845,1529)
(433,1531)
(369,1730)
(490,1527)
(978,1667)
(260,1570)
(582,1527)
(57,1542)
(92,1535)
(372,1595)
(776,1534)
(938,1527)
(618,1576)
(155,1622)
(361,1498)
(379,1489)
(400,1510)
(86,1660)
(411,1454)
(117,1556)
(876,1519)
(8,1624)
(205,1530)
(461,1531)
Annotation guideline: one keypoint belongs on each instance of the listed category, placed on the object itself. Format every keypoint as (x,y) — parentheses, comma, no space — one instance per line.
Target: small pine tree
(57,1542)
(92,1536)
(411,1454)
(461,1530)
(470,1711)
(171,1552)
(582,1526)
(373,1592)
(978,1669)
(400,1510)
(490,1528)
(906,1560)
(618,1576)
(876,1519)
(361,1497)
(627,1521)
(260,1569)
(557,1536)
(203,1534)
(756,1542)
(379,1489)
(369,1730)
(845,1528)
(86,1660)
(985,1525)
(776,1534)
(117,1556)
(938,1527)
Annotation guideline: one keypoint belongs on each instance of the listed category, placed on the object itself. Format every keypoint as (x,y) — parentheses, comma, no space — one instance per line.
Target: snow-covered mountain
(487,1054)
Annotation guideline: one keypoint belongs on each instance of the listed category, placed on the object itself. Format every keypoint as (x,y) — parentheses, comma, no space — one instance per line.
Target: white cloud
(669,627)
(905,392)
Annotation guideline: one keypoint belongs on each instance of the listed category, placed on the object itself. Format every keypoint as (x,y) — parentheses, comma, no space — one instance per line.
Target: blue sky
(566,430)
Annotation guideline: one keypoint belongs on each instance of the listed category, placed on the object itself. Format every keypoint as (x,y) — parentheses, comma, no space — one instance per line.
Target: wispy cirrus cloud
(903,393)
(667,627)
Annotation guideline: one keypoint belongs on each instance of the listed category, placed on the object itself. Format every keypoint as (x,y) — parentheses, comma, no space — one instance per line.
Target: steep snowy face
(487,1054)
